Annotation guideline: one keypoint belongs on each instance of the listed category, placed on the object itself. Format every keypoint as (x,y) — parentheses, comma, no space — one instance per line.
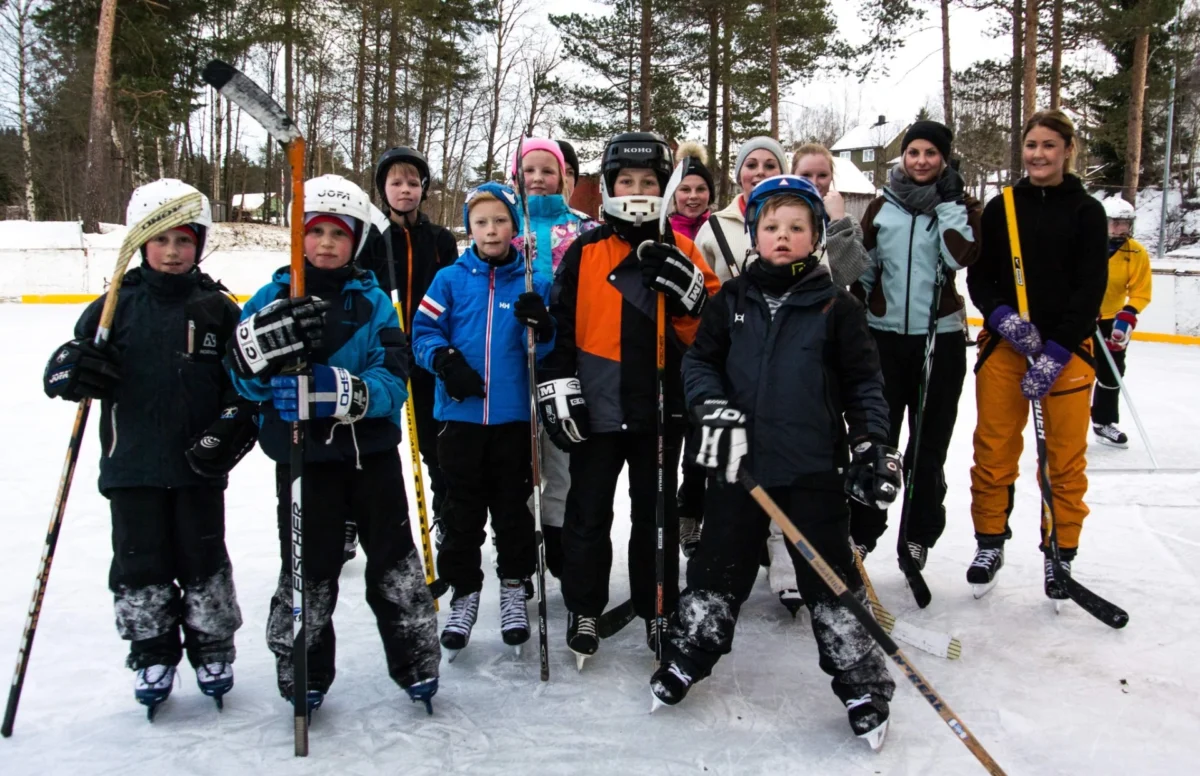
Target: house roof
(848,179)
(870,136)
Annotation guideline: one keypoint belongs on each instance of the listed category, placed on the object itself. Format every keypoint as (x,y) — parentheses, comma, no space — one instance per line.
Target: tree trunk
(215,161)
(1137,96)
(726,109)
(393,63)
(493,125)
(360,96)
(22,18)
(1029,63)
(714,78)
(645,119)
(1014,162)
(1056,51)
(947,71)
(772,21)
(97,185)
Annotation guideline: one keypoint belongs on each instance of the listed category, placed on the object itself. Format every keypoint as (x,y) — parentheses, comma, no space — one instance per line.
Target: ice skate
(792,601)
(869,719)
(919,554)
(314,699)
(669,685)
(514,617)
(982,573)
(214,680)
(152,686)
(582,638)
(1055,590)
(464,610)
(689,535)
(423,692)
(350,548)
(1109,434)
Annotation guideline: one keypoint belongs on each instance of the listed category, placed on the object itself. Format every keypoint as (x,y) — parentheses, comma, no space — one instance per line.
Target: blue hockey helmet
(795,186)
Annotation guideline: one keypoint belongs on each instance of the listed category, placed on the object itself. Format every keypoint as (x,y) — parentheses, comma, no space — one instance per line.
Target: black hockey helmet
(644,150)
(395,156)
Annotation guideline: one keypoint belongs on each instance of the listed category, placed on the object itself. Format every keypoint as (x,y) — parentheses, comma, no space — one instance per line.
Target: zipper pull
(191,337)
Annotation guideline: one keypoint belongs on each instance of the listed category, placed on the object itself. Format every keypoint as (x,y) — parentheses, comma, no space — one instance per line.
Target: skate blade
(655,702)
(1111,443)
(1057,605)
(428,705)
(875,738)
(979,591)
(453,654)
(517,650)
(580,659)
(220,701)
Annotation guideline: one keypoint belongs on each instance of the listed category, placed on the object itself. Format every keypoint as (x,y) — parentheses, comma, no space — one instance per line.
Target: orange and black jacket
(606,333)
(1064,242)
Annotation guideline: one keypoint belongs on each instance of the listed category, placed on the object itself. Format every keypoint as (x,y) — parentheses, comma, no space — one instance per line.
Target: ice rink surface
(1045,693)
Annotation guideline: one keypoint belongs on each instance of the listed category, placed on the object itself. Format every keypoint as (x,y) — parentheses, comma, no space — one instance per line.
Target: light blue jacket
(469,307)
(907,249)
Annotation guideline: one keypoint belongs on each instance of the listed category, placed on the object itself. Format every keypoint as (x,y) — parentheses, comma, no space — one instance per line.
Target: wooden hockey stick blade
(235,86)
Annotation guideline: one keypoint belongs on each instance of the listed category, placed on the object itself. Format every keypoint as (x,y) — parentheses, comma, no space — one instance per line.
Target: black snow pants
(487,469)
(902,358)
(1105,398)
(170,573)
(395,578)
(587,544)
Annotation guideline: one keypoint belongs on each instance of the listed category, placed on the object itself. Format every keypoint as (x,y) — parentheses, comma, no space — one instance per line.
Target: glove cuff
(1056,352)
(998,315)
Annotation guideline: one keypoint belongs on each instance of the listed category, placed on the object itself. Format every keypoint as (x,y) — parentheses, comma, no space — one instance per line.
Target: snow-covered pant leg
(423,388)
(847,652)
(587,545)
(1003,413)
(488,469)
(326,506)
(1105,399)
(395,578)
(781,573)
(719,577)
(556,483)
(164,540)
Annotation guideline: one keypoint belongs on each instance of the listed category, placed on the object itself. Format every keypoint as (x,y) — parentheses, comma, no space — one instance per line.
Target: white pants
(556,481)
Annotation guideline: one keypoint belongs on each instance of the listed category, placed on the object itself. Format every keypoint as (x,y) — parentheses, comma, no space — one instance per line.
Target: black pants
(691,491)
(487,469)
(722,572)
(1105,398)
(170,572)
(587,543)
(902,358)
(396,590)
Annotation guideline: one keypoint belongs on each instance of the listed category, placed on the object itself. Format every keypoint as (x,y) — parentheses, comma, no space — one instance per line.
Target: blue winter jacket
(906,249)
(362,335)
(554,226)
(469,307)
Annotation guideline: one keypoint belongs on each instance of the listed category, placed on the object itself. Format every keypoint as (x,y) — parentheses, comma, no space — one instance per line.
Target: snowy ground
(1046,694)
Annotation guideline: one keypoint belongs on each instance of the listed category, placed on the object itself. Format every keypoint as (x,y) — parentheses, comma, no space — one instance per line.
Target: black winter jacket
(169,392)
(432,249)
(800,377)
(1064,242)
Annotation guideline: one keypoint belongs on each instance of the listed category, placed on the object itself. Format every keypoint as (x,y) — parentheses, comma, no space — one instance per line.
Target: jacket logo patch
(739,317)
(505,306)
(62,355)
(210,340)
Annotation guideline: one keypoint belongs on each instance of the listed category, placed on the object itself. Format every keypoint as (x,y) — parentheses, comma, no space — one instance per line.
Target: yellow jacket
(1128,279)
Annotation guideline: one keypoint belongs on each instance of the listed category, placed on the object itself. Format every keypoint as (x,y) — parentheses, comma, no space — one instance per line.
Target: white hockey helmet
(148,198)
(1117,209)
(339,196)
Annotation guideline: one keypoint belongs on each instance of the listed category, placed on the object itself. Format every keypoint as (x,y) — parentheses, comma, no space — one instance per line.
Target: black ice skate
(350,548)
(1055,590)
(919,554)
(464,610)
(1109,434)
(982,573)
(791,600)
(689,535)
(582,637)
(668,685)
(514,618)
(869,719)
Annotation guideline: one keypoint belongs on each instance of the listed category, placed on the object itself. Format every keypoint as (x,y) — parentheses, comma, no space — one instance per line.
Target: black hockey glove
(564,412)
(950,186)
(875,475)
(666,269)
(79,370)
(461,381)
(722,438)
(225,442)
(530,310)
(277,335)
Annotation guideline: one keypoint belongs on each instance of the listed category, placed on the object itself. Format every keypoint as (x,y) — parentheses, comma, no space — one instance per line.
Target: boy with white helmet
(1127,295)
(172,427)
(349,337)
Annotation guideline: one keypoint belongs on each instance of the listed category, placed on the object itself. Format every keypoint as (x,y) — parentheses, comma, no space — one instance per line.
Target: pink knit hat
(539,144)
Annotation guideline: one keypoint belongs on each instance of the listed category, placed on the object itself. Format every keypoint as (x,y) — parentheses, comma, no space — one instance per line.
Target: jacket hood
(547,206)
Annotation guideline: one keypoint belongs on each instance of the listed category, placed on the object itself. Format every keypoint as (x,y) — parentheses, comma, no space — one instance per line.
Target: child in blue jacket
(471,332)
(347,333)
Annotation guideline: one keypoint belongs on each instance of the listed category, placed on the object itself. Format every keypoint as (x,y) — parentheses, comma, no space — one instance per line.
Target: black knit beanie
(569,156)
(693,166)
(935,132)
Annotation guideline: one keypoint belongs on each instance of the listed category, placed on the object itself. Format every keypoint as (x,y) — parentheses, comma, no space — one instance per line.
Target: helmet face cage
(640,151)
(786,184)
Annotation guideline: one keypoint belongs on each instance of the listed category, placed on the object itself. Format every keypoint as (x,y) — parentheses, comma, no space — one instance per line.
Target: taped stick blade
(250,97)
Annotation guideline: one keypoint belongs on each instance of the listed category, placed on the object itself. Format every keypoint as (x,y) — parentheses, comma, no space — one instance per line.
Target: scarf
(688,227)
(917,197)
(776,280)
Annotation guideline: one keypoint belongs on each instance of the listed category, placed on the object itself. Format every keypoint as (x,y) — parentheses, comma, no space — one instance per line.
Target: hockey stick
(1108,613)
(916,581)
(940,644)
(1112,364)
(248,96)
(846,598)
(169,215)
(539,538)
(437,588)
(660,501)
(615,619)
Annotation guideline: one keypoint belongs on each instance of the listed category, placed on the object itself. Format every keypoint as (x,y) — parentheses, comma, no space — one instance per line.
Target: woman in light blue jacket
(921,231)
